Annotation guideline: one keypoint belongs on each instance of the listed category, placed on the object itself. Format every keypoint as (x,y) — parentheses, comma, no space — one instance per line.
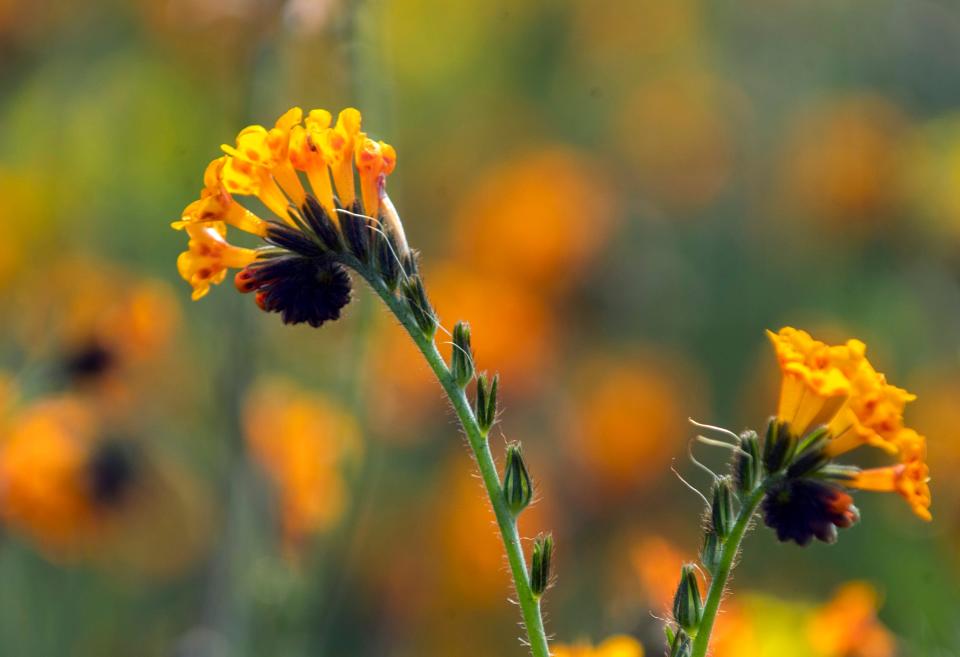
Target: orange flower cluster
(836,386)
(267,164)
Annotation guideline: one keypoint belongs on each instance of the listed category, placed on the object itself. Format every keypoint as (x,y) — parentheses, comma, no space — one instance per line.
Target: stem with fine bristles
(731,546)
(477,438)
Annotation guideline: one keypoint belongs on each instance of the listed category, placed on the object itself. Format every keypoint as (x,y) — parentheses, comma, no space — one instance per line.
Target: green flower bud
(517,487)
(387,258)
(812,456)
(461,361)
(778,446)
(540,564)
(486,407)
(710,552)
(681,646)
(747,464)
(419,305)
(687,605)
(721,509)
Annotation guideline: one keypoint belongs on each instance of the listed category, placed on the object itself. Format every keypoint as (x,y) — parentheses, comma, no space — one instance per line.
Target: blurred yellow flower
(302,441)
(764,626)
(615,646)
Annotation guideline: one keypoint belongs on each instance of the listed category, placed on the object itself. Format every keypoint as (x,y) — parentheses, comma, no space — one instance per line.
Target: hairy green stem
(731,546)
(529,604)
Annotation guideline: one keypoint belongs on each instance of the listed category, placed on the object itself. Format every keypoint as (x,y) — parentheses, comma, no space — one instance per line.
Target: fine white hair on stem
(721,430)
(720,443)
(466,353)
(690,486)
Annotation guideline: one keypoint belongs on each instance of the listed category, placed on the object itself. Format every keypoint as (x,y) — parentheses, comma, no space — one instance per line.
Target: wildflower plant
(832,401)
(305,170)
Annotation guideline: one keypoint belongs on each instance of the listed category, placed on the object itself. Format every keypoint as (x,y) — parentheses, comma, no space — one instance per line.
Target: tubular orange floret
(208,256)
(813,389)
(375,160)
(910,478)
(307,156)
(338,146)
(216,204)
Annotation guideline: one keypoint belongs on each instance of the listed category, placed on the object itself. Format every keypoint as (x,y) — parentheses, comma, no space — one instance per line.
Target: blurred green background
(620,196)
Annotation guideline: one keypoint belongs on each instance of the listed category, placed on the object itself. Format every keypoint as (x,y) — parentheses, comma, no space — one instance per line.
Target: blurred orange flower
(45,488)
(514,226)
(302,440)
(472,562)
(675,131)
(615,646)
(657,563)
(844,161)
(847,626)
(628,418)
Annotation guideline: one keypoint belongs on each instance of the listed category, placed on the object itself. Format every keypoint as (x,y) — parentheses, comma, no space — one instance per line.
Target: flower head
(317,226)
(838,387)
(833,401)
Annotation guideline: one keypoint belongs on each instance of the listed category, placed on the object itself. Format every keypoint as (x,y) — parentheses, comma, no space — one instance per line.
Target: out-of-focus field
(620,196)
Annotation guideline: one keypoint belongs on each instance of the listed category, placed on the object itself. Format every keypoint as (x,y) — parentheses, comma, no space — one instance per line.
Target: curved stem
(731,546)
(529,604)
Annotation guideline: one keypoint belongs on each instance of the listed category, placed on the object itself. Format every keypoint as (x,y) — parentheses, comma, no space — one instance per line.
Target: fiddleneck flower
(833,401)
(837,386)
(317,226)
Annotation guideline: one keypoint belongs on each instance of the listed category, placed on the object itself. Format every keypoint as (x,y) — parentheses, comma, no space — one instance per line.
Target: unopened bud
(461,361)
(721,509)
(687,605)
(681,645)
(517,487)
(778,446)
(486,408)
(387,258)
(710,552)
(419,305)
(812,456)
(747,464)
(540,564)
